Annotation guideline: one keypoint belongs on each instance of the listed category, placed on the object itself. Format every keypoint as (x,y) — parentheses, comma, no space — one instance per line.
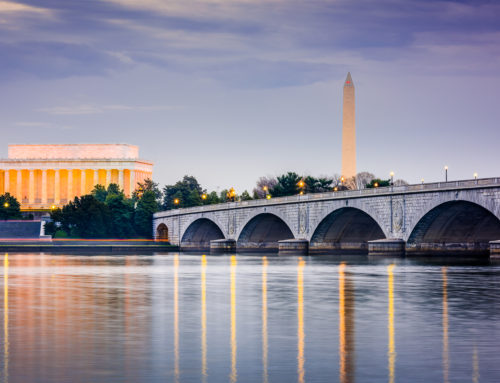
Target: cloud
(94,109)
(41,125)
(13,7)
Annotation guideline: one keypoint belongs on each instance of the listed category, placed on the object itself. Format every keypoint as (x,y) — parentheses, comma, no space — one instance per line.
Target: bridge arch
(262,231)
(454,227)
(347,229)
(162,232)
(199,233)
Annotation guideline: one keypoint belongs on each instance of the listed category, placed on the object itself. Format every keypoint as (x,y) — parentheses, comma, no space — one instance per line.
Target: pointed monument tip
(348,80)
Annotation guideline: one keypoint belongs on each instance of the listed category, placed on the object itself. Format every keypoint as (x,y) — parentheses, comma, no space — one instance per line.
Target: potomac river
(248,318)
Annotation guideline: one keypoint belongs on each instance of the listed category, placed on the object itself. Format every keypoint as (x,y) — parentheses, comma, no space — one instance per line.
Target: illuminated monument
(46,176)
(348,130)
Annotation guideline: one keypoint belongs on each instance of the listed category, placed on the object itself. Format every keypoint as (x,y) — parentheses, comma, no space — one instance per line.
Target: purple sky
(229,90)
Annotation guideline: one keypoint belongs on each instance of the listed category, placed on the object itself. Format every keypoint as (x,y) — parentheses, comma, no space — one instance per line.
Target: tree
(317,185)
(10,208)
(245,196)
(363,178)
(121,211)
(286,185)
(264,185)
(143,218)
(188,191)
(85,217)
(377,182)
(147,185)
(99,192)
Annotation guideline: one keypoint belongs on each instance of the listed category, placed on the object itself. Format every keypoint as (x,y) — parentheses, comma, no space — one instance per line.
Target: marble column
(96,177)
(44,187)
(108,177)
(19,189)
(132,182)
(121,178)
(6,180)
(70,195)
(83,182)
(57,187)
(31,187)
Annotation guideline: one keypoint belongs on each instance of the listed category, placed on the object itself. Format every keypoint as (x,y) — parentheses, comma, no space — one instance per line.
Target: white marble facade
(48,176)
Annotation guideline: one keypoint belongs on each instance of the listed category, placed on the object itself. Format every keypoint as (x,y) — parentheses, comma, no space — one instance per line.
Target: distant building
(348,130)
(45,176)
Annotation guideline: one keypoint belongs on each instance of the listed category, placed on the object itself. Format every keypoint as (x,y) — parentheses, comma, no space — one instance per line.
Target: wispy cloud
(13,7)
(41,125)
(94,109)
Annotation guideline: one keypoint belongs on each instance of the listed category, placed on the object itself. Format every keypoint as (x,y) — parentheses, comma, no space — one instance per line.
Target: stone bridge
(460,217)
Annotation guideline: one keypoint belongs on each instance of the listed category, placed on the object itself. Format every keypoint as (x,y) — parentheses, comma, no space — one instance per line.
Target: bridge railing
(462,184)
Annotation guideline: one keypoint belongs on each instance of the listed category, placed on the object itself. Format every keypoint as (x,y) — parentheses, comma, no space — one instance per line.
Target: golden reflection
(445,326)
(475,366)
(264,320)
(300,318)
(346,326)
(204,317)
(6,317)
(392,347)
(176,317)
(234,372)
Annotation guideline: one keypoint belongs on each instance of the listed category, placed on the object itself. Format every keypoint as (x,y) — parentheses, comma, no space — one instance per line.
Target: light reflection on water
(242,318)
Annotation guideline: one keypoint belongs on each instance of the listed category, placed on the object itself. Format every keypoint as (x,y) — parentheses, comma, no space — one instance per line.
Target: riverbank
(87,246)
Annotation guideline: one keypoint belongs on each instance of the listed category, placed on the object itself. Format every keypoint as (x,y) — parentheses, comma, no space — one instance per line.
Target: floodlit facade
(46,176)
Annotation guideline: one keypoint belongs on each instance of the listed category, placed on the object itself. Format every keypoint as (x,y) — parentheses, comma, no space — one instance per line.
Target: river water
(247,318)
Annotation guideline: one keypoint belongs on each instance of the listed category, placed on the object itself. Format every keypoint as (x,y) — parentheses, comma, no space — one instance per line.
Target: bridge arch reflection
(345,229)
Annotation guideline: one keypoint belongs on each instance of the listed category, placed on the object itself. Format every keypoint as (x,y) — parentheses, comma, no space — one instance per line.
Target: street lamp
(392,178)
(422,181)
(375,184)
(268,196)
(446,173)
(6,204)
(301,185)
(475,176)
(176,201)
(203,196)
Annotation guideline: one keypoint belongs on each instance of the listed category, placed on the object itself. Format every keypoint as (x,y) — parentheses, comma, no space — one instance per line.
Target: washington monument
(348,130)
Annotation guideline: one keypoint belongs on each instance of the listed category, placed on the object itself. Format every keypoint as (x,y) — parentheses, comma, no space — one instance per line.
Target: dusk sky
(231,90)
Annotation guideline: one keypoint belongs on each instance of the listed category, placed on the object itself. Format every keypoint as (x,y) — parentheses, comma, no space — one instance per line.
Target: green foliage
(99,192)
(188,191)
(85,217)
(287,185)
(318,185)
(10,208)
(147,185)
(377,182)
(143,219)
(245,196)
(106,213)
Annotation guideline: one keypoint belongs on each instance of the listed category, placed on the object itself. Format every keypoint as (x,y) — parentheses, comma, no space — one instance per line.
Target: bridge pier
(293,247)
(495,249)
(223,246)
(393,246)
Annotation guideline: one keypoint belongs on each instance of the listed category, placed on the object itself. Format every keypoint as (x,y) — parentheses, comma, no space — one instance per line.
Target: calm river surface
(247,318)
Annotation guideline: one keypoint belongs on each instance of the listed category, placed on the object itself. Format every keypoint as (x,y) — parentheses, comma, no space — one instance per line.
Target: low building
(42,177)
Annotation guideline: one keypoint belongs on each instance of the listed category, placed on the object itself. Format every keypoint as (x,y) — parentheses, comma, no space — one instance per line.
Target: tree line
(108,213)
(188,192)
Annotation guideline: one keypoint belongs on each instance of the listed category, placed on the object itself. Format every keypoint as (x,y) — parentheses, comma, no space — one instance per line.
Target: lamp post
(422,181)
(475,176)
(301,185)
(446,173)
(176,202)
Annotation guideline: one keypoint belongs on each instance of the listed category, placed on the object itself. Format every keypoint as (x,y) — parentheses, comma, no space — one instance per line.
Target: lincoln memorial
(47,176)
